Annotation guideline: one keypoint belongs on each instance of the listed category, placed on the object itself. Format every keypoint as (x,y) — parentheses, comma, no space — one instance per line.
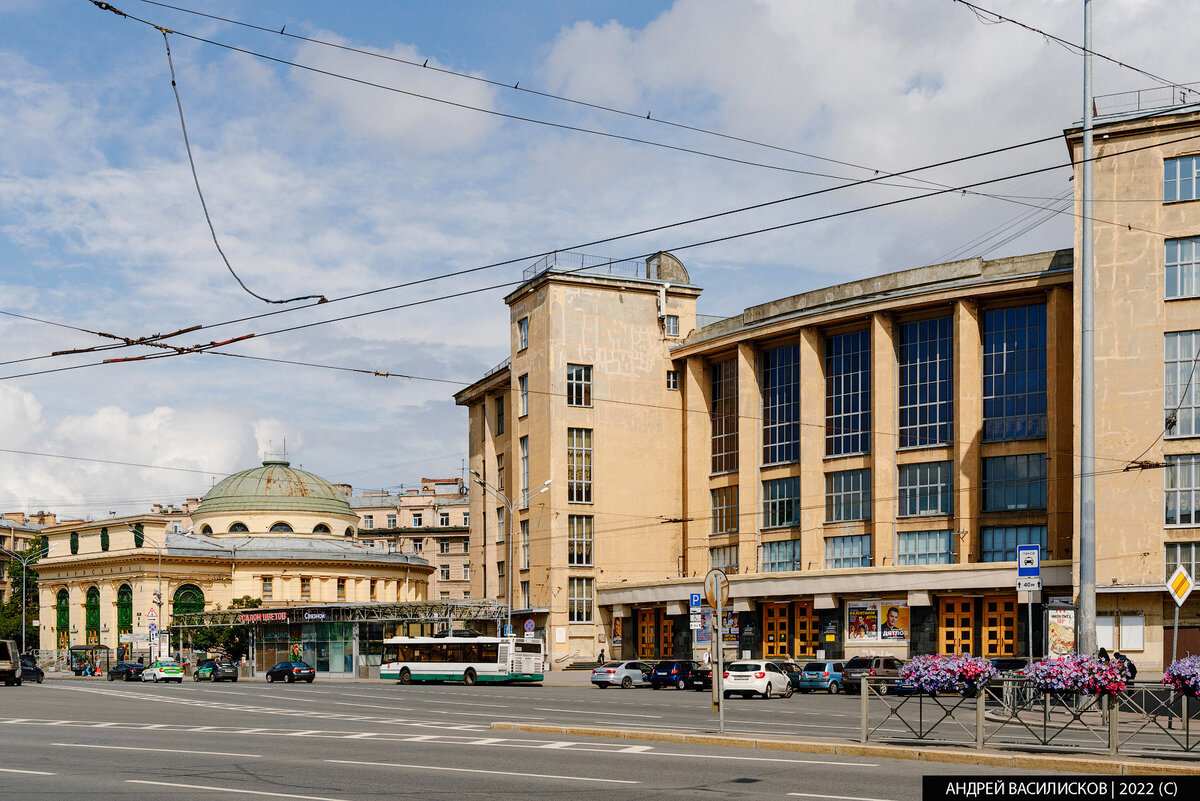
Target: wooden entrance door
(647,634)
(1000,625)
(956,625)
(775,630)
(807,631)
(666,628)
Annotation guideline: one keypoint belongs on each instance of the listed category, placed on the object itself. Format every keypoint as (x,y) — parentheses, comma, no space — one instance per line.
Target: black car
(291,671)
(126,671)
(701,678)
(215,670)
(673,673)
(30,671)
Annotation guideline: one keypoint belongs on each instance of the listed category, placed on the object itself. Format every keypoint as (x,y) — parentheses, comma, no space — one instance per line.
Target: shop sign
(314,615)
(263,617)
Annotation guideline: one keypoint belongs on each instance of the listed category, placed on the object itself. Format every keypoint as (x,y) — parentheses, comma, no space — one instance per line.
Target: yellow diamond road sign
(1180,585)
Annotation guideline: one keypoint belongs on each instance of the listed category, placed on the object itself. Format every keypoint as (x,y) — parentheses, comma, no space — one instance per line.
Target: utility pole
(1087,404)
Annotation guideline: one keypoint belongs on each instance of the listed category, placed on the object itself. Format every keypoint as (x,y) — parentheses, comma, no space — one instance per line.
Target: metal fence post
(980,704)
(1114,709)
(863,689)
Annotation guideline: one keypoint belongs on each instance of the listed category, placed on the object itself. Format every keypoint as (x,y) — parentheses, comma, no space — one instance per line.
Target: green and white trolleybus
(409,659)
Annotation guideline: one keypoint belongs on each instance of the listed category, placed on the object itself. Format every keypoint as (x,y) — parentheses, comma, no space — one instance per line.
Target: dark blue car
(673,673)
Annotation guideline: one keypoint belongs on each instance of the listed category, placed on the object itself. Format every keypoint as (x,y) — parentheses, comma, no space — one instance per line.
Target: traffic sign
(694,600)
(152,614)
(1029,583)
(1180,585)
(716,588)
(528,625)
(1029,560)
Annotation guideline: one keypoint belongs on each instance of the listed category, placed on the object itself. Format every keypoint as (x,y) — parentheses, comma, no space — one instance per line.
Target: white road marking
(164,750)
(838,797)
(232,790)
(489,772)
(589,712)
(30,772)
(372,706)
(767,759)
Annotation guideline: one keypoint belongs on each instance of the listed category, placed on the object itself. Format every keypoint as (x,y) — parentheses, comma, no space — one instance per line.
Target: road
(358,740)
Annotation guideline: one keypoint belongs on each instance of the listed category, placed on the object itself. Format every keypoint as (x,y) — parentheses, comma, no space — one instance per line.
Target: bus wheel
(405,677)
(469,677)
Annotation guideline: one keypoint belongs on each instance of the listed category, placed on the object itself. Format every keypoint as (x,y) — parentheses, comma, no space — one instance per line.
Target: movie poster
(895,620)
(862,621)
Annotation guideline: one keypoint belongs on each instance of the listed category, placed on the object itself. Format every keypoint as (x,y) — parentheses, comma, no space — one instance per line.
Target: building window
(781,404)
(500,471)
(780,557)
(926,402)
(579,540)
(524,442)
(1013,483)
(999,543)
(1182,399)
(523,333)
(305,589)
(524,544)
(499,414)
(341,589)
(268,588)
(673,379)
(466,544)
(926,489)
(1180,178)
(724,416)
(724,558)
(1183,490)
(924,548)
(525,602)
(724,510)
(391,521)
(443,519)
(416,517)
(781,502)
(852,551)
(443,546)
(848,496)
(579,600)
(848,394)
(444,572)
(501,529)
(1183,268)
(371,587)
(1014,373)
(500,569)
(1182,554)
(523,390)
(418,546)
(466,572)
(466,522)
(579,385)
(579,465)
(368,521)
(671,325)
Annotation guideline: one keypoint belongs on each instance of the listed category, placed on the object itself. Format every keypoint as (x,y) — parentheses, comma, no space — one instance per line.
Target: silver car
(622,674)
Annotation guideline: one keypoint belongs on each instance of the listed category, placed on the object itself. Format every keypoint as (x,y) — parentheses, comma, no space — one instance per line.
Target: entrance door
(775,631)
(666,628)
(647,634)
(1000,625)
(956,623)
(807,631)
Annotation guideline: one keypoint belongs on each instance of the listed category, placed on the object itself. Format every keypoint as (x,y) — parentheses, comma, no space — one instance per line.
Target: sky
(348,150)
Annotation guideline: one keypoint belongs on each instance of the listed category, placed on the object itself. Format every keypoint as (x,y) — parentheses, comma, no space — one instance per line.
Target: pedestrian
(1103,656)
(1127,663)
(601,655)
(708,657)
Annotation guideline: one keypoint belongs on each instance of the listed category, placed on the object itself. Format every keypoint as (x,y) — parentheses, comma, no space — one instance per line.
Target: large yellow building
(863,460)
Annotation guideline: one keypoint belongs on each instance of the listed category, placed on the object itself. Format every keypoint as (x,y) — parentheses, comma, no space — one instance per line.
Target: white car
(163,670)
(755,678)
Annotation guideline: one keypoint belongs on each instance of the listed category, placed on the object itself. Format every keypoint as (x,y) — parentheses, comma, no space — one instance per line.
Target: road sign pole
(718,681)
(1029,629)
(1175,634)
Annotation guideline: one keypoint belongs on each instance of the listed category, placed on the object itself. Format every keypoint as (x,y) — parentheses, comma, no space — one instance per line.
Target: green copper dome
(275,486)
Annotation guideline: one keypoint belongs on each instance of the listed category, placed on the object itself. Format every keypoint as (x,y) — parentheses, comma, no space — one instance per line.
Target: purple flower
(934,673)
(1184,675)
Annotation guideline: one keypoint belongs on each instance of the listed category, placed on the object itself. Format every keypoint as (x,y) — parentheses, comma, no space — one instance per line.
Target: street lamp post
(24,562)
(511,506)
(158,599)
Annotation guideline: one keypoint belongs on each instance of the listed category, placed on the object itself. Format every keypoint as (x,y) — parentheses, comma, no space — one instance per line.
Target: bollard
(980,703)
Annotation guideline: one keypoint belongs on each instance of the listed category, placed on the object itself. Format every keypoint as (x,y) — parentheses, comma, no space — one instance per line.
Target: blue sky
(320,185)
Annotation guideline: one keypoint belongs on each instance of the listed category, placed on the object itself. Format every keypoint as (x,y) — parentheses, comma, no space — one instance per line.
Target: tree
(22,578)
(233,641)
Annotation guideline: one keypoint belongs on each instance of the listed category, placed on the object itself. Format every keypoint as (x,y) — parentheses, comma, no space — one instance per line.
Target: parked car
(216,670)
(622,674)
(871,667)
(793,671)
(701,678)
(825,676)
(30,670)
(126,671)
(163,670)
(291,671)
(672,673)
(750,678)
(10,663)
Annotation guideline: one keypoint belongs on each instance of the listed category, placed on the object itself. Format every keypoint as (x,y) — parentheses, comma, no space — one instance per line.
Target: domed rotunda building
(273,533)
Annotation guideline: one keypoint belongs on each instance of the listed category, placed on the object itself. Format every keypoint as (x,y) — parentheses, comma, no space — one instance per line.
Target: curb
(954,755)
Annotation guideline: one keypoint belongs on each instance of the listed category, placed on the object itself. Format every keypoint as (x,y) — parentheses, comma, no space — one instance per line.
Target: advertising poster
(1060,632)
(616,634)
(704,633)
(730,631)
(862,621)
(895,620)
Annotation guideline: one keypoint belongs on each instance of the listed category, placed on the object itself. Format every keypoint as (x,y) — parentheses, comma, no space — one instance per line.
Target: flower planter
(1077,673)
(1184,676)
(938,673)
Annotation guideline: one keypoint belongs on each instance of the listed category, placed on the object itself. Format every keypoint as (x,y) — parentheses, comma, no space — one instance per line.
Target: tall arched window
(188,598)
(139,536)
(125,610)
(74,542)
(63,622)
(92,617)
(206,529)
